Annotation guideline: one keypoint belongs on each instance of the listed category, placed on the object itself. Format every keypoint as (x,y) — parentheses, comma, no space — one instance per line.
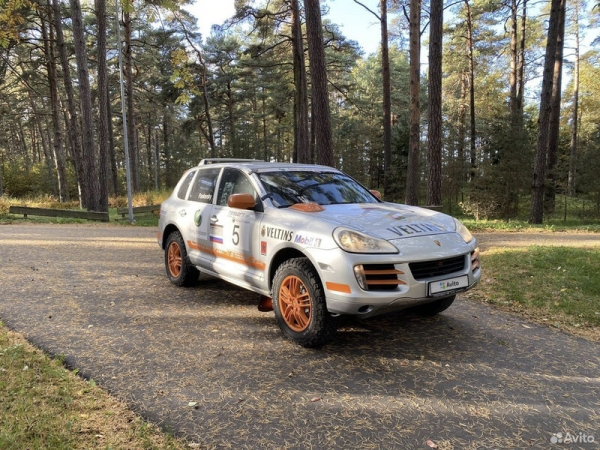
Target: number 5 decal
(235,236)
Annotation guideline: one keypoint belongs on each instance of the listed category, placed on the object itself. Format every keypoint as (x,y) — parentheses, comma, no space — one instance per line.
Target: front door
(235,233)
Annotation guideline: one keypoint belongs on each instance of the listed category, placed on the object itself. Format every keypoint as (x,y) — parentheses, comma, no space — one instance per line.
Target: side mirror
(241,201)
(376,193)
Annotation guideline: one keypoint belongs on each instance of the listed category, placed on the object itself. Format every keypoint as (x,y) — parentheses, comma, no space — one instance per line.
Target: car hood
(389,220)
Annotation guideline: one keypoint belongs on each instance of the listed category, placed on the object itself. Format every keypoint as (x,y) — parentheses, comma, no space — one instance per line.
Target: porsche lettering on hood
(386,221)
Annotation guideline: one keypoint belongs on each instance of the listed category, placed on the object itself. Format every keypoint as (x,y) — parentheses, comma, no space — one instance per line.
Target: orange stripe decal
(228,254)
(339,287)
(194,245)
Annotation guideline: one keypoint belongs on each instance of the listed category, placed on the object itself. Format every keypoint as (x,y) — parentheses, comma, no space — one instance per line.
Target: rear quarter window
(204,184)
(185,184)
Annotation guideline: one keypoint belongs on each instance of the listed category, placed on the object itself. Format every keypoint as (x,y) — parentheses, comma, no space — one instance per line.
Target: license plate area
(448,286)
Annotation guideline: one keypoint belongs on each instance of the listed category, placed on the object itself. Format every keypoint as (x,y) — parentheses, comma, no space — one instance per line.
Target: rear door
(196,216)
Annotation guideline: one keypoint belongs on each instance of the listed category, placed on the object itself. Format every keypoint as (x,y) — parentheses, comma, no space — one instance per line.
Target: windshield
(325,188)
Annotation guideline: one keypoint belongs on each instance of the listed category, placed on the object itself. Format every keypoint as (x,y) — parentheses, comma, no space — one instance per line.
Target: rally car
(314,243)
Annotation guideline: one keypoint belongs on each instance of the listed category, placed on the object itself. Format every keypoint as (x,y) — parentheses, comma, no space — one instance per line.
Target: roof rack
(226,160)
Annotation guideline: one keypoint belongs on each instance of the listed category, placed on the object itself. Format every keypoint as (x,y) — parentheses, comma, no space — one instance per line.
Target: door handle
(214,219)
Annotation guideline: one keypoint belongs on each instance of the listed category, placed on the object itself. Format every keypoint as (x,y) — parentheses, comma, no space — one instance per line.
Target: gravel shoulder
(206,364)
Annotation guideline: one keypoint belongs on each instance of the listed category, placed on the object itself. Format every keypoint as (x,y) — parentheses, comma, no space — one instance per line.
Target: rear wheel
(433,308)
(179,271)
(299,304)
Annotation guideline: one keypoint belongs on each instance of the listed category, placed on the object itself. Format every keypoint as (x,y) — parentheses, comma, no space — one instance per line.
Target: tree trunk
(39,128)
(575,116)
(539,167)
(473,137)
(103,104)
(58,150)
(434,135)
(211,136)
(114,181)
(264,127)
(318,74)
(521,64)
(169,180)
(254,100)
(462,116)
(73,127)
(131,132)
(312,134)
(553,133)
(149,153)
(156,160)
(301,131)
(85,99)
(24,147)
(231,120)
(387,99)
(513,107)
(412,179)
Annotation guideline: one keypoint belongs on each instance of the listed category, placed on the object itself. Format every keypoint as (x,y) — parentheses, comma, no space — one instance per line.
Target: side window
(204,185)
(234,182)
(183,187)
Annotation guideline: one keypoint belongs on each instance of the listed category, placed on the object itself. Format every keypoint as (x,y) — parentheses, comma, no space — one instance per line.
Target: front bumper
(344,294)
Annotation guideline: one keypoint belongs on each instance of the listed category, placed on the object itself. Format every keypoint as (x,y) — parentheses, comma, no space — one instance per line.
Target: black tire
(435,307)
(299,304)
(179,271)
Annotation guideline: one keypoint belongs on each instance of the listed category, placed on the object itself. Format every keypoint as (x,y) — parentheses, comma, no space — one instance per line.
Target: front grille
(382,277)
(428,269)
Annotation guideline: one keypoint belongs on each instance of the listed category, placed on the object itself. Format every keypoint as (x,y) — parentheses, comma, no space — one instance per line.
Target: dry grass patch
(44,405)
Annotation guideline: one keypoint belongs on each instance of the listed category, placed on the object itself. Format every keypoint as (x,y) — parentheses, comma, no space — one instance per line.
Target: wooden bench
(68,213)
(138,210)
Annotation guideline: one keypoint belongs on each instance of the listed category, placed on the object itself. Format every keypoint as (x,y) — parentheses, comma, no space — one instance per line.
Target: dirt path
(206,364)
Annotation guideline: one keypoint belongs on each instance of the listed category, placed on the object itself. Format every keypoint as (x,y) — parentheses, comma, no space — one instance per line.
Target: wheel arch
(280,257)
(165,235)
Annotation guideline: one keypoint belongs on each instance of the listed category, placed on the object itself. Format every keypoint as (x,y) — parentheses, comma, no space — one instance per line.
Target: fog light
(359,273)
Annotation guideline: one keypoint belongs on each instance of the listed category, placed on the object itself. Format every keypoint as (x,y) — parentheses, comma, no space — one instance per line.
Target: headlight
(355,242)
(462,230)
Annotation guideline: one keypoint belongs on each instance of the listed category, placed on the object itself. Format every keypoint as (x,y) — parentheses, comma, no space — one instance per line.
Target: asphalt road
(206,364)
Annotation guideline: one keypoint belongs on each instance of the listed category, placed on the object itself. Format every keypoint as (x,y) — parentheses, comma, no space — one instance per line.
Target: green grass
(44,405)
(552,225)
(559,285)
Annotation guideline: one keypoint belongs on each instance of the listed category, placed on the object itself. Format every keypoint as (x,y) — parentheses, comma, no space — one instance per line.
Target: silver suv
(314,243)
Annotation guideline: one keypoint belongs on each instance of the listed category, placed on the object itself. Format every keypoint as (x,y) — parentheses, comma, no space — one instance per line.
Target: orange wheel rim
(174,259)
(295,304)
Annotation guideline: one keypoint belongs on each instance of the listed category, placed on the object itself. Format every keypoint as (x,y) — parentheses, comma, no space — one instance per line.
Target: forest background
(502,122)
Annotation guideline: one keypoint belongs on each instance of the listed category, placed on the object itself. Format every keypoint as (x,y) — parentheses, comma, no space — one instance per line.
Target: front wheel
(433,308)
(179,271)
(299,304)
